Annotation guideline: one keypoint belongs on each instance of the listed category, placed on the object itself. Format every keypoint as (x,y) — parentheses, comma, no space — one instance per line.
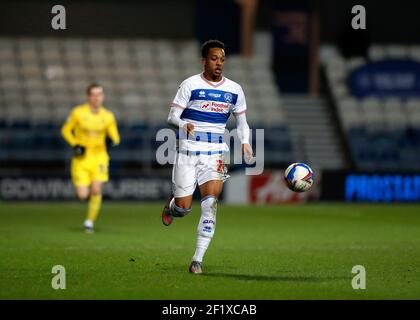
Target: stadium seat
(376,52)
(267,89)
(336,74)
(395,120)
(16,116)
(413,106)
(13,98)
(393,105)
(396,51)
(414,120)
(340,90)
(355,62)
(2,116)
(9,71)
(336,63)
(76,58)
(255,117)
(7,51)
(414,52)
(328,52)
(371,105)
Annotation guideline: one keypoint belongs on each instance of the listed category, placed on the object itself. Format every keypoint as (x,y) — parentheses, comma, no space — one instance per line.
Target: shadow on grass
(253,277)
(81,230)
(100,230)
(257,277)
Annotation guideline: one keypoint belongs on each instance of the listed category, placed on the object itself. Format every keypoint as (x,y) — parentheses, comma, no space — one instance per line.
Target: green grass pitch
(259,252)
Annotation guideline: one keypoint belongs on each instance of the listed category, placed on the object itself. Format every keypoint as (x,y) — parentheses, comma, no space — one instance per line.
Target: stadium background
(347,102)
(302,69)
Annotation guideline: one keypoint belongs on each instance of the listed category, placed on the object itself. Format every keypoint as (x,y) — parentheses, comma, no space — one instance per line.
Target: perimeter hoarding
(370,187)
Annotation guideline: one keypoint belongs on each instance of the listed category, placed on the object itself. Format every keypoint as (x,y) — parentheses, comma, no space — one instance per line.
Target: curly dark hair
(211,44)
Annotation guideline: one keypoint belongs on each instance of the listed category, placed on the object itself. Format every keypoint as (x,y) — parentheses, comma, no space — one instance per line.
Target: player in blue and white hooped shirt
(200,111)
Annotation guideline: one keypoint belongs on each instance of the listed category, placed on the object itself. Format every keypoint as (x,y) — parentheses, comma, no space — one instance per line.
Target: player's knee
(183,204)
(180,211)
(82,195)
(209,205)
(96,189)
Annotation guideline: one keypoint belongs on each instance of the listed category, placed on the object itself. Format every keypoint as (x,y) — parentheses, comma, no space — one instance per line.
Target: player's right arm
(178,105)
(67,131)
(175,120)
(68,127)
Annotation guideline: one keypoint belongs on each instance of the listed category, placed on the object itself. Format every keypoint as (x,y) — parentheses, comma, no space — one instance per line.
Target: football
(299,177)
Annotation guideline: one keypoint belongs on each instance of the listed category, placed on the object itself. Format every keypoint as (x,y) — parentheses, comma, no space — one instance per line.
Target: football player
(199,111)
(86,130)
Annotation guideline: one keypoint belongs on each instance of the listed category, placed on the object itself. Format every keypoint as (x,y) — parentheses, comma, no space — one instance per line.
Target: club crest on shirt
(228,97)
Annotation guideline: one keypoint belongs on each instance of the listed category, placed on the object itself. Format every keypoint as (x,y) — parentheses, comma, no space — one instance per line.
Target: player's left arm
(242,128)
(239,111)
(112,131)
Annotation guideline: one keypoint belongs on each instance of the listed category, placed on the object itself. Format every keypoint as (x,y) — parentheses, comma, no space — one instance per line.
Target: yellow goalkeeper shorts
(86,170)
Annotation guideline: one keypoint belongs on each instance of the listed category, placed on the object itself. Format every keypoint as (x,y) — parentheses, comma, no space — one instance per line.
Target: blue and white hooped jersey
(207,105)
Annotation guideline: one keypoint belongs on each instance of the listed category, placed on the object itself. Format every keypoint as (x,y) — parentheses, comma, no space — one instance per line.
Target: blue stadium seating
(382,133)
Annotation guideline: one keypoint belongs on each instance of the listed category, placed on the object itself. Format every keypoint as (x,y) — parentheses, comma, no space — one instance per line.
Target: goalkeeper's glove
(110,143)
(78,150)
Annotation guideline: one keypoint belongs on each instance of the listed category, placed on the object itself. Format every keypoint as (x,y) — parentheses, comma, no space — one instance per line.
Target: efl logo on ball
(299,177)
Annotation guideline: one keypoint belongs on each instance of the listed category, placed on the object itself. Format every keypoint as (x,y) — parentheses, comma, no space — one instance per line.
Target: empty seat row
(382,133)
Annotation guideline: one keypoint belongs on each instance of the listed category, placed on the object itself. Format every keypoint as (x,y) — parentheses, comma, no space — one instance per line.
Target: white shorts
(188,170)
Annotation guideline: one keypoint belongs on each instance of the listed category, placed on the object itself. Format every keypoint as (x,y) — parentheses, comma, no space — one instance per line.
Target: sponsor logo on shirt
(205,106)
(215,95)
(214,106)
(202,94)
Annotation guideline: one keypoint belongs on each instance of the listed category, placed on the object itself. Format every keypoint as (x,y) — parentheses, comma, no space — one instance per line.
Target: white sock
(88,223)
(206,226)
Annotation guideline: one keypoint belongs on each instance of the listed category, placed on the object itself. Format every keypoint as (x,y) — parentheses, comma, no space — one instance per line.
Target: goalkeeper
(86,130)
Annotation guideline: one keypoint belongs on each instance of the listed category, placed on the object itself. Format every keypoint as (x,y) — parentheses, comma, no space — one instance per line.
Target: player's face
(214,62)
(96,97)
